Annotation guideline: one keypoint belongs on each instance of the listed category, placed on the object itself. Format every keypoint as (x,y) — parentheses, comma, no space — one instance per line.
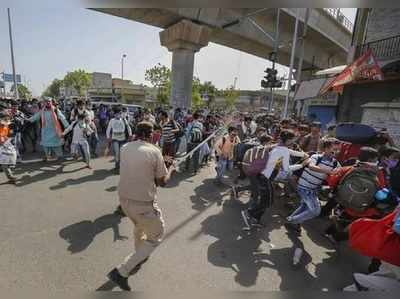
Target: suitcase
(355,133)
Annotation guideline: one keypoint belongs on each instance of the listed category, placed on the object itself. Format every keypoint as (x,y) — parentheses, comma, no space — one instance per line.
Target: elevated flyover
(250,30)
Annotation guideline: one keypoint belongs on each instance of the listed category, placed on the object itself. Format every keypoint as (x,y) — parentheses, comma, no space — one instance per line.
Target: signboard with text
(10,78)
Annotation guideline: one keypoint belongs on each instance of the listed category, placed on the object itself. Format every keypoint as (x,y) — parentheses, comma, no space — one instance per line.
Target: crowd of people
(362,179)
(289,159)
(83,130)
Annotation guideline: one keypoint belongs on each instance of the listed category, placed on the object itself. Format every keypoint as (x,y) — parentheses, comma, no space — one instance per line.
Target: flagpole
(16,95)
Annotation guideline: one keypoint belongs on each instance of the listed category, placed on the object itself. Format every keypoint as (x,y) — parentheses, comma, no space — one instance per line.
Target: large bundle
(357,188)
(241,148)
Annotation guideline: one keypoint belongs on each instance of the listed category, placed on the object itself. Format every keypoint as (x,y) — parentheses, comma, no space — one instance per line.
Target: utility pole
(301,58)
(285,111)
(122,77)
(122,66)
(16,95)
(276,43)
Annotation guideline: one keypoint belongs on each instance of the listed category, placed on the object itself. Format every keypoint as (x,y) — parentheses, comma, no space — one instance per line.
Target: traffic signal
(270,79)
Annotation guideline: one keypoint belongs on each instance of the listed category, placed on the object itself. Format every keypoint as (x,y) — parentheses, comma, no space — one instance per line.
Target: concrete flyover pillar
(183,39)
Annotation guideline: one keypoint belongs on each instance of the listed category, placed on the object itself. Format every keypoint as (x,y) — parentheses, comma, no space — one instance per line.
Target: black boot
(119,280)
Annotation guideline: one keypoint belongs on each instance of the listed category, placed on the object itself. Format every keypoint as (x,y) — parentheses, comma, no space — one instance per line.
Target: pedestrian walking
(118,133)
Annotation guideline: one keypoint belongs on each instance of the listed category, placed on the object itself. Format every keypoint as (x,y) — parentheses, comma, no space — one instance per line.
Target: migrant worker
(52,122)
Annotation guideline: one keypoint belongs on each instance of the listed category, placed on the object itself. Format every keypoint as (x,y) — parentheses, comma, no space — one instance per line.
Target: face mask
(392,163)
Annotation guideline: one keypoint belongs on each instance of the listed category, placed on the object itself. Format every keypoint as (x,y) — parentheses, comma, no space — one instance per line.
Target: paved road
(57,232)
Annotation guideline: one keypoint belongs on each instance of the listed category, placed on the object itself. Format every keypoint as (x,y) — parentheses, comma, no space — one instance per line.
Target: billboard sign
(10,78)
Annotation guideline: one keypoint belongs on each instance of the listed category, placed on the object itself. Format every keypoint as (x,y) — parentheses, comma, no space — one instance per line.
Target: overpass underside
(187,30)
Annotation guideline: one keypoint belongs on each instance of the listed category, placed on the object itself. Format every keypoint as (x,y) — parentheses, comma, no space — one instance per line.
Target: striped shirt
(167,134)
(312,180)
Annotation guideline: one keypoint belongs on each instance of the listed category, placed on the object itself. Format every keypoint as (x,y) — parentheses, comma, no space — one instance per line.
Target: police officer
(137,193)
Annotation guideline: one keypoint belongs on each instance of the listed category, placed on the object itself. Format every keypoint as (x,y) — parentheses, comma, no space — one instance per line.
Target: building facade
(377,29)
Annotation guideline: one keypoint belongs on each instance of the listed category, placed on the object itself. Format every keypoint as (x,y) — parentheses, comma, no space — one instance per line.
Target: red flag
(364,68)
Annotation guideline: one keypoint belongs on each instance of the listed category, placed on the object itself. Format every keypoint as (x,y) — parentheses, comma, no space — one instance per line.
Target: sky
(50,41)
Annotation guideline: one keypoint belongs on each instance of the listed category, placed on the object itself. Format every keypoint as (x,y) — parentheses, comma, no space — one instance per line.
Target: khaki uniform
(141,164)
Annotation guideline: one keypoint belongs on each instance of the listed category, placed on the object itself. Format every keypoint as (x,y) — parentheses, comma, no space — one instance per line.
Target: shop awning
(331,71)
(310,89)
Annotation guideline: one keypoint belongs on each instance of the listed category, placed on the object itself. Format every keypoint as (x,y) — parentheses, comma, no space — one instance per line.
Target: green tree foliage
(160,77)
(79,80)
(23,91)
(53,90)
(230,95)
(197,101)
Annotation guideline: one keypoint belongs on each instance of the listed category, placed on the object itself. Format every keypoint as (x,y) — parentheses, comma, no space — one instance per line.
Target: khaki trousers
(148,231)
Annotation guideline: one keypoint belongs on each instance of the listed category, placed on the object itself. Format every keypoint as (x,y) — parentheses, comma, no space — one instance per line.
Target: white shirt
(90,115)
(116,129)
(80,132)
(281,154)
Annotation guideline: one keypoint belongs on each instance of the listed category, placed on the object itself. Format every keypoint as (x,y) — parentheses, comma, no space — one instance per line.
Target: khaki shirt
(141,163)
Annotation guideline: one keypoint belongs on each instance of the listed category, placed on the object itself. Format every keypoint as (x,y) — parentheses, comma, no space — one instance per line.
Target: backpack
(181,132)
(196,135)
(357,188)
(255,160)
(126,128)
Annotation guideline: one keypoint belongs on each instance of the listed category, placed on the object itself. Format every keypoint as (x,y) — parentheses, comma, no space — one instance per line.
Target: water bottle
(297,256)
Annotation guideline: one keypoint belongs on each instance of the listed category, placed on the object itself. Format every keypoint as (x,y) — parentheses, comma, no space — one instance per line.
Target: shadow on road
(81,234)
(97,175)
(45,172)
(107,286)
(208,193)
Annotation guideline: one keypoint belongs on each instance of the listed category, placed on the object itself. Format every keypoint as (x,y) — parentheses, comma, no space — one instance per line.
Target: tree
(197,101)
(160,77)
(231,95)
(79,80)
(53,90)
(23,91)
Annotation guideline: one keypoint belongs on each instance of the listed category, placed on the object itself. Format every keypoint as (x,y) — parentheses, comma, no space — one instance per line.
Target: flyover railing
(383,48)
(340,18)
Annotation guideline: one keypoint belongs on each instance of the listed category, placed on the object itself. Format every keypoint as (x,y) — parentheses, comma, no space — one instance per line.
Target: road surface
(58,232)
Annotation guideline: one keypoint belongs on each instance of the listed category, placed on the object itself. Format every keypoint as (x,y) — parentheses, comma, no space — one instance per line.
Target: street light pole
(275,57)
(285,111)
(122,66)
(16,95)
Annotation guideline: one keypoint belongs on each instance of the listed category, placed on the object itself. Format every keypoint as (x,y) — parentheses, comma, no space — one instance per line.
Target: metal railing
(383,48)
(340,17)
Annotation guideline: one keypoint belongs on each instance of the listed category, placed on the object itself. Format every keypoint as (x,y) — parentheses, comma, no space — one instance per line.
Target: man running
(137,195)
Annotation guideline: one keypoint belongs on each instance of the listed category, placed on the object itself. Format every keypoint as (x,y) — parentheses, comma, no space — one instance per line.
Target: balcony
(340,18)
(388,48)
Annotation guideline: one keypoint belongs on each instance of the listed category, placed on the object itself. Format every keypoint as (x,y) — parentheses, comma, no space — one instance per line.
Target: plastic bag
(8,153)
(377,238)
